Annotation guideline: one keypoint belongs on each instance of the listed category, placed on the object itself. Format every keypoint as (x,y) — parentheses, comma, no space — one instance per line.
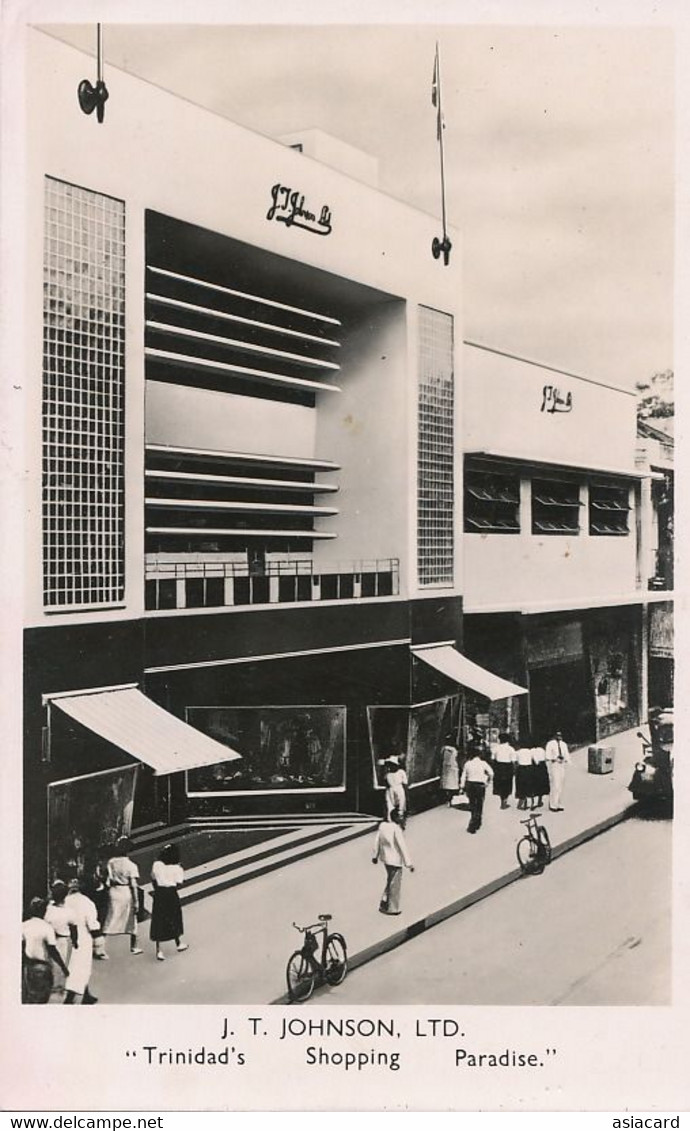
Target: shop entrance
(151,799)
(560,699)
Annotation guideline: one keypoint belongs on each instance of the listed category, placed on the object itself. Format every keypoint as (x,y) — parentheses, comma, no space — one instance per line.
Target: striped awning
(128,719)
(451,663)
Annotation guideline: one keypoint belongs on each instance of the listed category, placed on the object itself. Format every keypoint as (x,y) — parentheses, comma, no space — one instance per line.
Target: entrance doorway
(151,799)
(560,699)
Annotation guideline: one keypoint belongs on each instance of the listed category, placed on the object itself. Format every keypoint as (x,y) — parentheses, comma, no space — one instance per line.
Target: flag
(434,81)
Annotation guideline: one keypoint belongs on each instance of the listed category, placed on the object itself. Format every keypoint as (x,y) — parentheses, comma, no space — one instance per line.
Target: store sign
(553,400)
(288,208)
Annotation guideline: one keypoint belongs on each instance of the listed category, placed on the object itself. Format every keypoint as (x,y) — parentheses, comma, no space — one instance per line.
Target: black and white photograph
(338,477)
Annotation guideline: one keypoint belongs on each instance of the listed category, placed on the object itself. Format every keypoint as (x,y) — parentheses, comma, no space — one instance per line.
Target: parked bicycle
(534,848)
(305,967)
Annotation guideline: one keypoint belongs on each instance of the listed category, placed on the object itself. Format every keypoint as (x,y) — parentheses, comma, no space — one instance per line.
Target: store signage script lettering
(553,401)
(288,208)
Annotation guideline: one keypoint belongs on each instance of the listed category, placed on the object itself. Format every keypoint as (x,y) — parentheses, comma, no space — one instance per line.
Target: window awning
(446,659)
(128,719)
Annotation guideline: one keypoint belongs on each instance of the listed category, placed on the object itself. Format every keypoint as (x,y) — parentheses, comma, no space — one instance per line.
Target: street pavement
(240,939)
(593,929)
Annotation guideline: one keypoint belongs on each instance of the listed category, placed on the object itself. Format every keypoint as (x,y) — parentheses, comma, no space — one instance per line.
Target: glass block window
(436,456)
(83,397)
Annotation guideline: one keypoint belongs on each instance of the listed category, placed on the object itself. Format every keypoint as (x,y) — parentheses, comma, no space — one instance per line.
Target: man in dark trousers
(476,775)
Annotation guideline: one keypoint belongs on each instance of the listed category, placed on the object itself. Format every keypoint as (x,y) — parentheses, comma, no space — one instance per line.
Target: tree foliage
(655,397)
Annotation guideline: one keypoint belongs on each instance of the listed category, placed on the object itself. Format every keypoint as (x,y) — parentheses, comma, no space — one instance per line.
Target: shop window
(284,749)
(608,509)
(492,503)
(555,507)
(415,734)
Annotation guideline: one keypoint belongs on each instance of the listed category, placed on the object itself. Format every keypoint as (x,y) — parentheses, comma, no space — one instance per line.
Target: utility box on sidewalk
(600,759)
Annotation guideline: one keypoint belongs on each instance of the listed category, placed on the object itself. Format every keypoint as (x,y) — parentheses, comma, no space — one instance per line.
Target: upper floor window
(83,398)
(555,507)
(492,503)
(609,506)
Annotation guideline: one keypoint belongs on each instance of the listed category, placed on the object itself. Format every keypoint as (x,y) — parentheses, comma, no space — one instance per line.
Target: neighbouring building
(564,522)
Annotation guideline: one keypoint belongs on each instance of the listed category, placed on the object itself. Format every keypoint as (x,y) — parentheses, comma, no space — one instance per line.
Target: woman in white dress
(83,912)
(450,772)
(123,895)
(396,789)
(62,920)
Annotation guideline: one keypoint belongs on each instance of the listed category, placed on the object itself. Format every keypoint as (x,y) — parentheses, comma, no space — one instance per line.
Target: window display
(284,749)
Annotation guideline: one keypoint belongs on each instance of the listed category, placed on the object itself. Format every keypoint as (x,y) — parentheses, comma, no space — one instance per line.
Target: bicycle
(534,848)
(304,967)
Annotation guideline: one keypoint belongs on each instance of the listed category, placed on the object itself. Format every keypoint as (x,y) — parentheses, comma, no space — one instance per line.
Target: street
(594,929)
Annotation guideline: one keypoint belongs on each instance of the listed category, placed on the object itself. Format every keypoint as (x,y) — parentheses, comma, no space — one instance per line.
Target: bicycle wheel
(335,967)
(528,856)
(301,976)
(545,845)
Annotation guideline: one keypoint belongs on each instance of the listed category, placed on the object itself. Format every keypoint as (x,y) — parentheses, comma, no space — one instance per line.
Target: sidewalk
(240,939)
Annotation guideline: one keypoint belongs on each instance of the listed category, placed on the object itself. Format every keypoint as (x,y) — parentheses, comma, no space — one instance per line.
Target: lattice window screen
(83,397)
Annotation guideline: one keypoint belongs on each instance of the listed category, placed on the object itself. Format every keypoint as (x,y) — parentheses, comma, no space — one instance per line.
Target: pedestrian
(504,768)
(98,894)
(391,849)
(39,953)
(396,788)
(557,758)
(476,775)
(541,786)
(450,771)
(123,895)
(83,911)
(167,876)
(63,922)
(524,772)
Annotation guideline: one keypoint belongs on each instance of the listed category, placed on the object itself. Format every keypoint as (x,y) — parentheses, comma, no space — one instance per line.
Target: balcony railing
(207,584)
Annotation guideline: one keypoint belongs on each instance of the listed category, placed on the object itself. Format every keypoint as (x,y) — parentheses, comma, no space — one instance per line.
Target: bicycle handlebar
(311,927)
(532,817)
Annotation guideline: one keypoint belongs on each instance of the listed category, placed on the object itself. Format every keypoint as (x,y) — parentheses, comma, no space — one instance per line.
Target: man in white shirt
(476,775)
(557,758)
(391,849)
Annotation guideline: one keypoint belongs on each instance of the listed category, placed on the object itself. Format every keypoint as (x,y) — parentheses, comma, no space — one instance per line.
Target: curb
(391,942)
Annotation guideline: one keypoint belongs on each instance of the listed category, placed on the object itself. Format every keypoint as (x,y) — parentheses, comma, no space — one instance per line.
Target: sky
(559,154)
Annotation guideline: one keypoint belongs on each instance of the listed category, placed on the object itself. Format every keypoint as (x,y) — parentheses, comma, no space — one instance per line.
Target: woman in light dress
(396,789)
(450,771)
(63,921)
(83,913)
(123,895)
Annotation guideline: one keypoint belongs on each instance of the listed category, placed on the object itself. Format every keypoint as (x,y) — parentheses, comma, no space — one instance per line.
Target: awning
(128,719)
(446,659)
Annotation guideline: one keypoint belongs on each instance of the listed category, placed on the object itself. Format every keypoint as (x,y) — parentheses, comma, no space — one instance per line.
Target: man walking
(476,775)
(557,758)
(391,849)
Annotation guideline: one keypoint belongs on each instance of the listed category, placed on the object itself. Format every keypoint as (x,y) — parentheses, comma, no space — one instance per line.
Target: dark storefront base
(349,672)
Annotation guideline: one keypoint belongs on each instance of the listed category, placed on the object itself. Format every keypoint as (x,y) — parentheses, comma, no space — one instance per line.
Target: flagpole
(443,245)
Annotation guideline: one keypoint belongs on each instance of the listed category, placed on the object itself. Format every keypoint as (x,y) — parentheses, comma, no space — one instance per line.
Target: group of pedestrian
(530,772)
(63,934)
